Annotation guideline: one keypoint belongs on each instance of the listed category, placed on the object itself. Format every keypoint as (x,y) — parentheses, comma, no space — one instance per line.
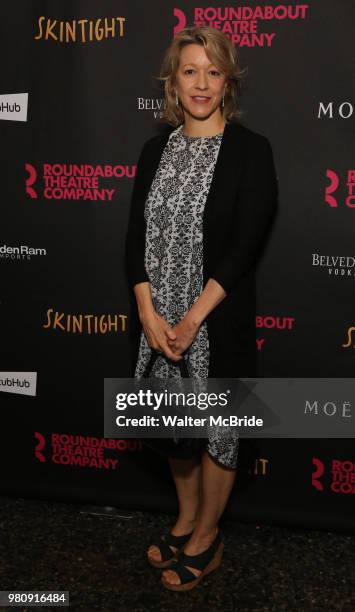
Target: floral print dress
(174,260)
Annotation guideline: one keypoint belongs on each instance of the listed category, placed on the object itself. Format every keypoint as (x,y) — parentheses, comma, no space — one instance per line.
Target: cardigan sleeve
(135,237)
(256,206)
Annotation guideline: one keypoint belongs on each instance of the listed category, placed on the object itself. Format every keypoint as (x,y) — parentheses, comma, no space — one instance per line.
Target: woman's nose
(201,80)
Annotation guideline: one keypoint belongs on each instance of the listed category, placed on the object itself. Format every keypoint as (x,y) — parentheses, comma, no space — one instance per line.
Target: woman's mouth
(200,99)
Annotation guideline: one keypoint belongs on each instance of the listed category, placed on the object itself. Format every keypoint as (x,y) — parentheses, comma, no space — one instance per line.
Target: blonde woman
(204,197)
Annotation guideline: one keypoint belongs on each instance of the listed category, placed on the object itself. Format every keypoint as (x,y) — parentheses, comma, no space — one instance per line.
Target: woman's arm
(144,300)
(187,328)
(256,206)
(255,210)
(212,294)
(135,237)
(156,329)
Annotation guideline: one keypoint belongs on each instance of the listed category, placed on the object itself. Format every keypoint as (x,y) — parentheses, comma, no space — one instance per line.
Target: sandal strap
(165,551)
(177,541)
(171,540)
(183,572)
(200,561)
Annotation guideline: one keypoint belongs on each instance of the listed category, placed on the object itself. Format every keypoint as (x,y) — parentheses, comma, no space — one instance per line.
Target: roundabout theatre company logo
(241,24)
(338,477)
(82,451)
(75,181)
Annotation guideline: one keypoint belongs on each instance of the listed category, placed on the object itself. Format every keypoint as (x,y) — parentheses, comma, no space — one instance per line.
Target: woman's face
(199,84)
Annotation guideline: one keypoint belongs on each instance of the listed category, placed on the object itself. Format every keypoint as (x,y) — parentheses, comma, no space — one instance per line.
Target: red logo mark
(32,175)
(319,471)
(181,17)
(40,446)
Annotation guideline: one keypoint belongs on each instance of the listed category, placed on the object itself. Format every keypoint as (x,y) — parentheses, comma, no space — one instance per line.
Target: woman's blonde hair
(220,51)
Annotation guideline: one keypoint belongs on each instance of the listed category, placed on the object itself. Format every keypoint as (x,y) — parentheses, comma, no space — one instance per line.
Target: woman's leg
(187,478)
(217,483)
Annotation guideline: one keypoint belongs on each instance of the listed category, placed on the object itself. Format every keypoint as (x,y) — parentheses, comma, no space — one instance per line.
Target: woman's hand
(158,333)
(185,332)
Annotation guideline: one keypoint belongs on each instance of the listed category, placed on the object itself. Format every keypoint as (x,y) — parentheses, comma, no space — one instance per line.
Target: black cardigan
(238,213)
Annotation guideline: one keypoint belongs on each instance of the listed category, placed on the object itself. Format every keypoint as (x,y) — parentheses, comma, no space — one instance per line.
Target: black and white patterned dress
(174,259)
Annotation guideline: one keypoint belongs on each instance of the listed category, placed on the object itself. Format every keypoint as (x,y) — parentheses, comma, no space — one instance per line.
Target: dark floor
(101,561)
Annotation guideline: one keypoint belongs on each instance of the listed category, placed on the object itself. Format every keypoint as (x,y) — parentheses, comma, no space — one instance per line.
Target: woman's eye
(212,72)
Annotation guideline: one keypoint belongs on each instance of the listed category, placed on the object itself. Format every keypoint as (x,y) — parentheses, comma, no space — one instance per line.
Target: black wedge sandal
(167,555)
(206,562)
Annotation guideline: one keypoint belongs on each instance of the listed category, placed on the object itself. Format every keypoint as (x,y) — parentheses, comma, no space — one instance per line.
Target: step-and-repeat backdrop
(79,96)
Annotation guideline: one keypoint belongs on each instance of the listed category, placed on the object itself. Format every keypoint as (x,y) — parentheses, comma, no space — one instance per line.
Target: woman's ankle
(184,525)
(204,534)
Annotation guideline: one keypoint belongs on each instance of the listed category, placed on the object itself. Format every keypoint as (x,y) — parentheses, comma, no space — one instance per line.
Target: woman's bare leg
(187,478)
(217,483)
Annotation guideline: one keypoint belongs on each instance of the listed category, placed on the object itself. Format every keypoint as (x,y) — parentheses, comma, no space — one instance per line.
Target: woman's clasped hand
(172,341)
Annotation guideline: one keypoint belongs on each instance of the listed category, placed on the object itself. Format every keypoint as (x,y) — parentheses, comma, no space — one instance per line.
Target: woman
(204,196)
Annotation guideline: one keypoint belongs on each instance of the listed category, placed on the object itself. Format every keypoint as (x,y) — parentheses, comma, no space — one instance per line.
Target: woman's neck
(194,127)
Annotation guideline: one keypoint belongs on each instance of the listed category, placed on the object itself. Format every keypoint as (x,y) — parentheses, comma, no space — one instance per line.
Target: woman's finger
(168,352)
